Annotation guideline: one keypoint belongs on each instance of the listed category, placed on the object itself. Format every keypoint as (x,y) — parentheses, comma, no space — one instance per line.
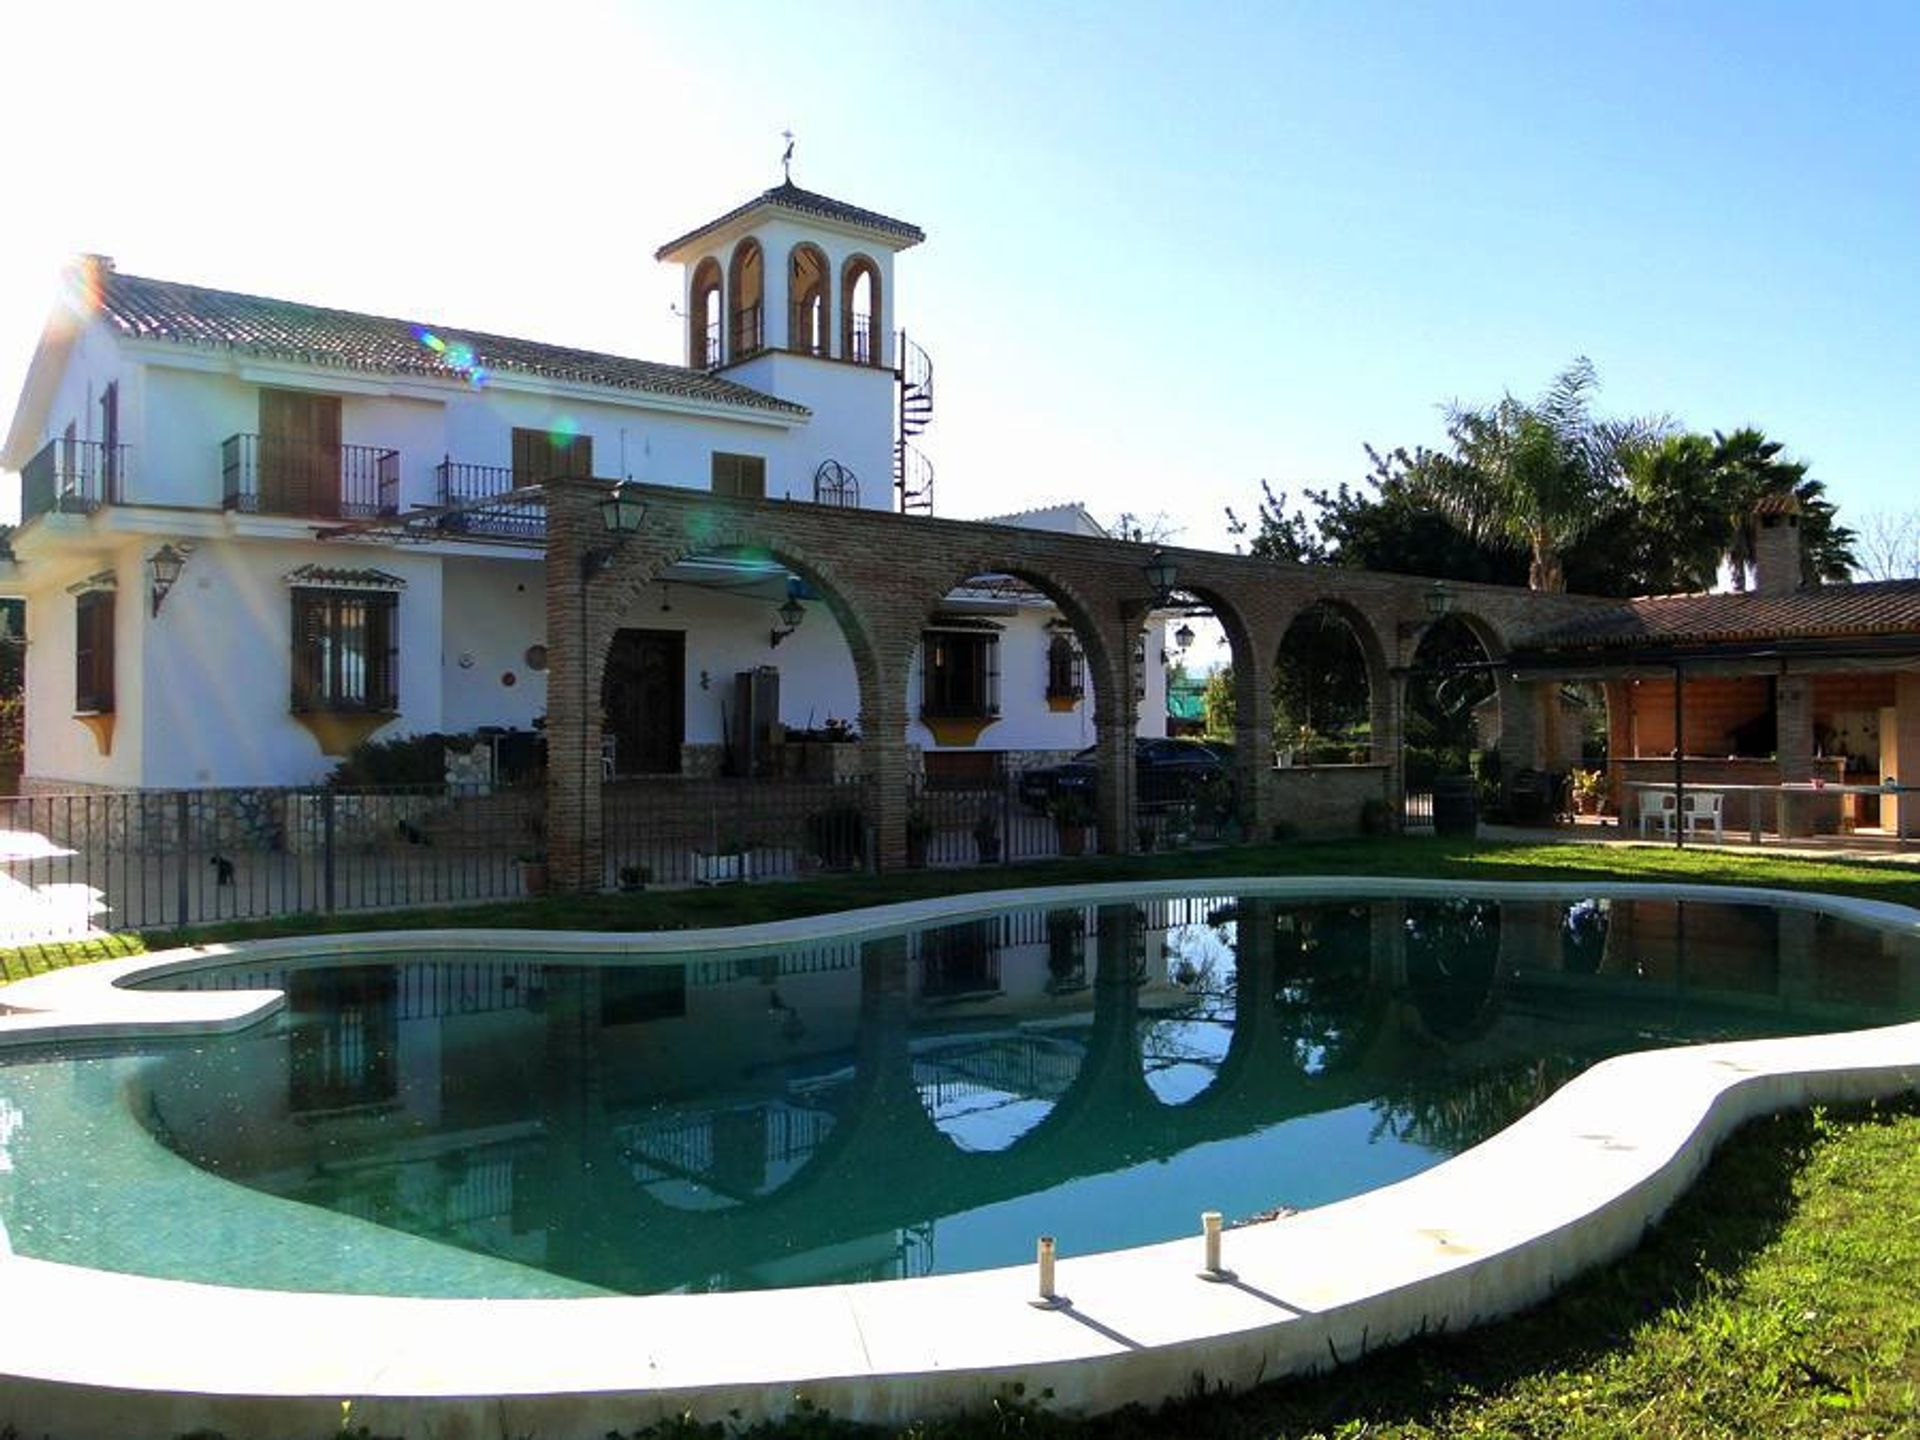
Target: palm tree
(1535,475)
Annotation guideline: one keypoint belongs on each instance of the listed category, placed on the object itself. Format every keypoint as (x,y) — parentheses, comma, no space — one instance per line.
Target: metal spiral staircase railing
(912,471)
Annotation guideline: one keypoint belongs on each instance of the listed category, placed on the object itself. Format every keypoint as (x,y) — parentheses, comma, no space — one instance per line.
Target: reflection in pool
(900,1106)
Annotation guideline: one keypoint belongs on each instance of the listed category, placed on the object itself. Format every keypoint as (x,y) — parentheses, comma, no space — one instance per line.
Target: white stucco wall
(218,669)
(494,608)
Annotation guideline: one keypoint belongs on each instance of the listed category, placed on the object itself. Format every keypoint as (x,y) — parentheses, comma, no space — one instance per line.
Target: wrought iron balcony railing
(73,477)
(471,486)
(279,475)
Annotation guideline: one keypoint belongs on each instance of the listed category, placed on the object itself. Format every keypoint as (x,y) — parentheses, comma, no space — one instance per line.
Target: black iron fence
(680,831)
(145,859)
(152,859)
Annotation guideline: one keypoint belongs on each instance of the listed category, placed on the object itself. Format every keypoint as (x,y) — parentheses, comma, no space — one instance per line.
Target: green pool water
(507,1124)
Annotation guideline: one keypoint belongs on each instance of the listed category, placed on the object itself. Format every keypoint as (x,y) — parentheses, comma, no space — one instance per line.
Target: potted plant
(635,877)
(919,833)
(986,837)
(1589,791)
(724,865)
(1073,814)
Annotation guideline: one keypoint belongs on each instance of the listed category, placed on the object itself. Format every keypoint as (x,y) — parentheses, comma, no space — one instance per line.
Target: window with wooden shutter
(960,678)
(742,476)
(93,653)
(550,455)
(344,656)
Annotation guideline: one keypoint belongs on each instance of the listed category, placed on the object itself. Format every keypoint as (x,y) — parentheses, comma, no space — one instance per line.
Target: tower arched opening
(703,316)
(860,312)
(809,322)
(746,301)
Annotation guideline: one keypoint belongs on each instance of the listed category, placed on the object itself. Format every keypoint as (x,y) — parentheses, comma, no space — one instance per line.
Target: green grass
(737,905)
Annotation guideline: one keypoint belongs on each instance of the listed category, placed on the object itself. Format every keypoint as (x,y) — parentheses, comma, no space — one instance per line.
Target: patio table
(1781,794)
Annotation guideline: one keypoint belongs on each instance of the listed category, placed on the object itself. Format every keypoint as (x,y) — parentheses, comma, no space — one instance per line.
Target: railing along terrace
(73,477)
(860,347)
(472,485)
(806,329)
(278,475)
(709,356)
(749,331)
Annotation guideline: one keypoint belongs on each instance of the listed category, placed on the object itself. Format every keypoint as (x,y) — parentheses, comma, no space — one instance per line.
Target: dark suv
(1165,771)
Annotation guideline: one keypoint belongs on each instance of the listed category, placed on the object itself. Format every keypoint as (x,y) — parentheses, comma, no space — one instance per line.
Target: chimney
(1776,545)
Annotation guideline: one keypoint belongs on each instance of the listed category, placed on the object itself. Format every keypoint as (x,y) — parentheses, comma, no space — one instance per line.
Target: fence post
(326,850)
(1006,813)
(180,849)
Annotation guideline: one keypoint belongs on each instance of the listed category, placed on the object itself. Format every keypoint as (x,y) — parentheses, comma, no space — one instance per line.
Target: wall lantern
(622,510)
(1438,599)
(164,567)
(1161,574)
(1183,637)
(621,513)
(791,614)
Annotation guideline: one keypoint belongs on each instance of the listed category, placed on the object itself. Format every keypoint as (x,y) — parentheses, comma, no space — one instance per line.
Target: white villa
(220,591)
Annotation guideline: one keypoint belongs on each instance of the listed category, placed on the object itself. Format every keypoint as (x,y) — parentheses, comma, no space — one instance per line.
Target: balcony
(472,486)
(72,477)
(279,475)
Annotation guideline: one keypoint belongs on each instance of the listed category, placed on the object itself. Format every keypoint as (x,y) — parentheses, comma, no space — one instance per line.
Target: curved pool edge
(1474,1238)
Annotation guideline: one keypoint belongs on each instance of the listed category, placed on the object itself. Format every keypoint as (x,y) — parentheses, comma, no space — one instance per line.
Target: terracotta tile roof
(898,233)
(1885,607)
(146,309)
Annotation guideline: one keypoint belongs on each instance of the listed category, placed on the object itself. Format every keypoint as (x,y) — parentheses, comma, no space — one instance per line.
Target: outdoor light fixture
(621,513)
(1439,600)
(1161,573)
(791,614)
(164,566)
(1183,637)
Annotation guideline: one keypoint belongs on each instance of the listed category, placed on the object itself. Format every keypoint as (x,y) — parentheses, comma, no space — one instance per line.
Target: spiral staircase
(912,471)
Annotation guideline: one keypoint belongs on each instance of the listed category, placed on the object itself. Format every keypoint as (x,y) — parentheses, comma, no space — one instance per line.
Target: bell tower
(792,294)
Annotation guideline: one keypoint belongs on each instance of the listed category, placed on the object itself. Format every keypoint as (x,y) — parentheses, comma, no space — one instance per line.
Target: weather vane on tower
(786,160)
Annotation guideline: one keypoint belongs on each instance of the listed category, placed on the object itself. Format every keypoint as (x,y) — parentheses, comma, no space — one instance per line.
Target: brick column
(1116,716)
(1793,742)
(1253,740)
(575,643)
(1386,713)
(1906,701)
(1519,726)
(883,731)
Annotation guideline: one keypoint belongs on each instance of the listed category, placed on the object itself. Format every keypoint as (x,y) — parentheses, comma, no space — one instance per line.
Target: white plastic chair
(1703,809)
(1657,808)
(609,752)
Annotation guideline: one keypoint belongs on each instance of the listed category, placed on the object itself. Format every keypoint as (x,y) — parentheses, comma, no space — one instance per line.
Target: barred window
(742,475)
(344,650)
(961,678)
(1063,669)
(93,653)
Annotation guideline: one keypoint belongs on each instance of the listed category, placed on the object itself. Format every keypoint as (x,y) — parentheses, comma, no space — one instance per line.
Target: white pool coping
(1574,1183)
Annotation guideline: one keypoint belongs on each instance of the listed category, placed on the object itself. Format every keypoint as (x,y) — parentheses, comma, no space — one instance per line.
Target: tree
(1221,707)
(1888,545)
(1748,467)
(1538,475)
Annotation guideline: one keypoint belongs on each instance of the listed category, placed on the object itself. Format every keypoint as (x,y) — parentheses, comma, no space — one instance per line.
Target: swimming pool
(914,1103)
(1093,1045)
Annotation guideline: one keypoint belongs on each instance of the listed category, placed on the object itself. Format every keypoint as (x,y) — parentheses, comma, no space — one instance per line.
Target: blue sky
(1172,249)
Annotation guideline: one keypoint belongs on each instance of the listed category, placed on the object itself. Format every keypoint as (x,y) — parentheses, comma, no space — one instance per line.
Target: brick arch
(1375,656)
(1071,596)
(845,597)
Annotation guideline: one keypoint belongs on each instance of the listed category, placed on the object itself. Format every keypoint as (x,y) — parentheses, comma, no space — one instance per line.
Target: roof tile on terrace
(1885,607)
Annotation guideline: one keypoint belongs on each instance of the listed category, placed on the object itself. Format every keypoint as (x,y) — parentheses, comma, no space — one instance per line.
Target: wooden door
(644,697)
(299,460)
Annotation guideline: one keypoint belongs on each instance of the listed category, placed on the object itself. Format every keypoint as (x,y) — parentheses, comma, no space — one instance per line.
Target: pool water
(925,1102)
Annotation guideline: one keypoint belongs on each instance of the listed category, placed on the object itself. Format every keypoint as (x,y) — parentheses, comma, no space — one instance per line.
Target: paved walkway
(1604,830)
